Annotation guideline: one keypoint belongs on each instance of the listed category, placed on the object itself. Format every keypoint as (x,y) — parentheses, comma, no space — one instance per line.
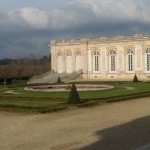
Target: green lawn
(118,90)
(50,100)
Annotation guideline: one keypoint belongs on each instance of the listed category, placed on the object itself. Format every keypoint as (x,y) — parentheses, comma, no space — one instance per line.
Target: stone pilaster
(89,63)
(138,58)
(103,60)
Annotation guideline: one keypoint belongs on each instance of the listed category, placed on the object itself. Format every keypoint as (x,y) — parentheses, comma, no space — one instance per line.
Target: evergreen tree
(73,96)
(135,79)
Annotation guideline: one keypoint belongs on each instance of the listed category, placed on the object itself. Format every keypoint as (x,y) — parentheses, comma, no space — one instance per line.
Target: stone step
(53,77)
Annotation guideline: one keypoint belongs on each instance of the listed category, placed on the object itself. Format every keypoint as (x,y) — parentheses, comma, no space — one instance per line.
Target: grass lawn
(51,100)
(118,90)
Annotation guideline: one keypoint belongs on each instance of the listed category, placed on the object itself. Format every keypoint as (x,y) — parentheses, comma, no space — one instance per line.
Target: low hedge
(28,108)
(20,110)
(146,93)
(16,97)
(127,98)
(54,109)
(7,105)
(87,104)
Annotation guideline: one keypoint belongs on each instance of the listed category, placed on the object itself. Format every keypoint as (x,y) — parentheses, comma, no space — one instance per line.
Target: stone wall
(137,43)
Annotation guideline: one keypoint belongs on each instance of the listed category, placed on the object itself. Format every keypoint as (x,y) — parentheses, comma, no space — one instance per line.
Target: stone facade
(116,58)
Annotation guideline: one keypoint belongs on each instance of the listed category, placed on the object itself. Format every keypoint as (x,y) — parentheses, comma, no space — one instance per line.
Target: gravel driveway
(116,126)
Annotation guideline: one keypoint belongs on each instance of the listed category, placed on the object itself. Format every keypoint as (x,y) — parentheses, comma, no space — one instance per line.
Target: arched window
(60,63)
(78,61)
(112,61)
(129,61)
(69,63)
(147,60)
(96,61)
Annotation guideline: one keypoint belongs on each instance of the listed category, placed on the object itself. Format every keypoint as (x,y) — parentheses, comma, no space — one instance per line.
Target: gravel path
(11,92)
(117,126)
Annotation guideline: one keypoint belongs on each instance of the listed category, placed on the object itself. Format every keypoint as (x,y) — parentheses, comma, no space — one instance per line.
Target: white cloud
(76,17)
(117,10)
(31,16)
(77,13)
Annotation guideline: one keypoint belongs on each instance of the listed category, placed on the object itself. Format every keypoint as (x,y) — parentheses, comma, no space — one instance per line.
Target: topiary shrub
(73,96)
(135,79)
(58,80)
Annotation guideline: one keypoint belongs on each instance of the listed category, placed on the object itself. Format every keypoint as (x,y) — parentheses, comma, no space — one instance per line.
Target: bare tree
(5,72)
(24,67)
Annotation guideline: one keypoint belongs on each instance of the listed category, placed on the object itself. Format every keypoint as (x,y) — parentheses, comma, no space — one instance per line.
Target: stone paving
(67,87)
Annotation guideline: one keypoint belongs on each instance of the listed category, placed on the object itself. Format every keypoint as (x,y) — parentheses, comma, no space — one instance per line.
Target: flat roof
(103,39)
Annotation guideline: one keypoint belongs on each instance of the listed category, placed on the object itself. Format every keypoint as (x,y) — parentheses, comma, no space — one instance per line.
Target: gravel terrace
(116,126)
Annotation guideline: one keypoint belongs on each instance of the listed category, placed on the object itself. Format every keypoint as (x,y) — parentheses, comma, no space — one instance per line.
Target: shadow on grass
(128,136)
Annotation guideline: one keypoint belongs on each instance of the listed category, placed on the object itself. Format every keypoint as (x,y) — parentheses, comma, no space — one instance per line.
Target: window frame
(130,61)
(96,65)
(112,61)
(147,60)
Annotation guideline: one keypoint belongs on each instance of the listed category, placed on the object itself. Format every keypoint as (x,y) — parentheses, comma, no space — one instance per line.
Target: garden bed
(40,102)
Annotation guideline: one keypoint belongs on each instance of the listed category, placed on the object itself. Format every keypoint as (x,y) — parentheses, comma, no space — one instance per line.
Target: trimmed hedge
(87,104)
(73,96)
(20,110)
(135,79)
(127,98)
(147,93)
(58,80)
(28,108)
(9,97)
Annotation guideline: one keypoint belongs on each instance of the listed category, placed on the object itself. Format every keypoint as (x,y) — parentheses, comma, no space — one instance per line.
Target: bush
(58,80)
(73,96)
(135,79)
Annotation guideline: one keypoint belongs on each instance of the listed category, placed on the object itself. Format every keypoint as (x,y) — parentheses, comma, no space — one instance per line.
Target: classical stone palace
(103,58)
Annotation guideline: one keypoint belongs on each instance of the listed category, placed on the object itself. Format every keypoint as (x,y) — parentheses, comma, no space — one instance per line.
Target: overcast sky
(27,26)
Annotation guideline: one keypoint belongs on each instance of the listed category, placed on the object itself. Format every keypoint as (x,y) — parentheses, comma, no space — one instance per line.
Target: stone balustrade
(102,39)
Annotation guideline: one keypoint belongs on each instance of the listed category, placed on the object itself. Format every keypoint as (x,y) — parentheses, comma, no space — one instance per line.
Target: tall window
(60,64)
(112,61)
(147,60)
(78,61)
(69,63)
(96,61)
(129,60)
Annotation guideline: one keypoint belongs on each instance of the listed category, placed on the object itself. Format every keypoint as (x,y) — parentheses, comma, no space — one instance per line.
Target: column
(53,59)
(103,60)
(138,58)
(89,63)
(120,59)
